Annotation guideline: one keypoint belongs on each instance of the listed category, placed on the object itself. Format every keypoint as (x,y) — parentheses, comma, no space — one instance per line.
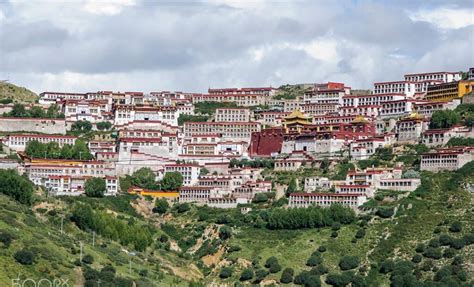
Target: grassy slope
(16,93)
(40,232)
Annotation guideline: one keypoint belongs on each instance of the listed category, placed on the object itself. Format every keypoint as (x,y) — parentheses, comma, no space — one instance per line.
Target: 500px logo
(40,283)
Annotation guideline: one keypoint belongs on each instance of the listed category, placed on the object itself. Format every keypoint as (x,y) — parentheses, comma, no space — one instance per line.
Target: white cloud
(445,17)
(323,49)
(108,7)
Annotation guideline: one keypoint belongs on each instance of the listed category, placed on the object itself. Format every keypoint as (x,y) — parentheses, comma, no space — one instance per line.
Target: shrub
(420,248)
(301,278)
(457,243)
(458,260)
(225,232)
(287,275)
(226,272)
(6,238)
(161,206)
(334,234)
(449,253)
(468,238)
(95,187)
(417,258)
(445,239)
(386,266)
(322,249)
(247,274)
(434,253)
(349,262)
(234,248)
(24,257)
(336,226)
(456,227)
(260,274)
(182,208)
(385,212)
(275,268)
(342,279)
(270,261)
(434,243)
(314,260)
(88,259)
(360,233)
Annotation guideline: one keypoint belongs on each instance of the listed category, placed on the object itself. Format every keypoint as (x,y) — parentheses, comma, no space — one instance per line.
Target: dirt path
(79,277)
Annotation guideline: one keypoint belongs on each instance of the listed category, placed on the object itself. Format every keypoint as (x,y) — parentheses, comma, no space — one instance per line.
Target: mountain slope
(16,93)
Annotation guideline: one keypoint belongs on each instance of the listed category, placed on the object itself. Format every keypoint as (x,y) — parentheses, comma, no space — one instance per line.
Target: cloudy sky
(145,45)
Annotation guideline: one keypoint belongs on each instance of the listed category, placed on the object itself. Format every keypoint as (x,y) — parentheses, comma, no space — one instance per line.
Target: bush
(88,259)
(275,268)
(434,253)
(349,262)
(226,272)
(260,274)
(6,238)
(260,198)
(445,240)
(334,234)
(386,266)
(385,212)
(468,238)
(336,226)
(95,187)
(161,206)
(182,208)
(417,258)
(420,248)
(434,243)
(360,233)
(449,253)
(322,249)
(234,248)
(314,260)
(456,227)
(287,275)
(247,274)
(457,243)
(225,232)
(342,279)
(24,257)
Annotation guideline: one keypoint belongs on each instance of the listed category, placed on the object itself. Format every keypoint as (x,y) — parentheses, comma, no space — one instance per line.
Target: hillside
(216,246)
(16,93)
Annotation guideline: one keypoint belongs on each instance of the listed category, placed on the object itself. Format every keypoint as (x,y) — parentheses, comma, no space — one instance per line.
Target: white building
(446,159)
(18,142)
(232,115)
(304,200)
(190,172)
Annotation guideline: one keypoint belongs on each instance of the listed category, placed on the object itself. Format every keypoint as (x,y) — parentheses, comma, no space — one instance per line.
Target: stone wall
(46,126)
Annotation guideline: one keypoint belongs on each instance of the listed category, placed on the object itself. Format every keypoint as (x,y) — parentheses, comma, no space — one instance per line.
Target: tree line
(146,178)
(16,186)
(20,111)
(311,217)
(51,150)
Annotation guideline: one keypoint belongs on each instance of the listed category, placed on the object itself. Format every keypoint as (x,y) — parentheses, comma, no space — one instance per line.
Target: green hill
(16,93)
(415,238)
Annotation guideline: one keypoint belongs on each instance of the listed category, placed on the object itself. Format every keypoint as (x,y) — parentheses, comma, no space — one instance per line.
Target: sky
(145,45)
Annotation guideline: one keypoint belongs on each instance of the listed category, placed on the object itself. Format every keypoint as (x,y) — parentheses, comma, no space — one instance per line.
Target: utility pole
(130,266)
(80,155)
(93,238)
(62,224)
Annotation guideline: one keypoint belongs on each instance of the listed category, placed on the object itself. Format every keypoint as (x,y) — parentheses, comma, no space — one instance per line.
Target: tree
(335,279)
(81,126)
(6,238)
(144,178)
(172,181)
(161,206)
(17,187)
(226,272)
(81,151)
(95,187)
(384,153)
(456,227)
(291,187)
(314,260)
(18,111)
(103,126)
(444,119)
(349,262)
(247,274)
(53,112)
(37,112)
(287,275)
(260,198)
(225,232)
(24,257)
(88,259)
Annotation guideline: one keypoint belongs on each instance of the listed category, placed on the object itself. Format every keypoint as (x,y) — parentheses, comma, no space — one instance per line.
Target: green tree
(144,178)
(35,149)
(444,119)
(18,111)
(291,187)
(81,126)
(225,232)
(53,112)
(161,206)
(349,262)
(37,112)
(81,151)
(247,274)
(287,275)
(16,186)
(102,126)
(24,257)
(172,181)
(95,187)
(226,272)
